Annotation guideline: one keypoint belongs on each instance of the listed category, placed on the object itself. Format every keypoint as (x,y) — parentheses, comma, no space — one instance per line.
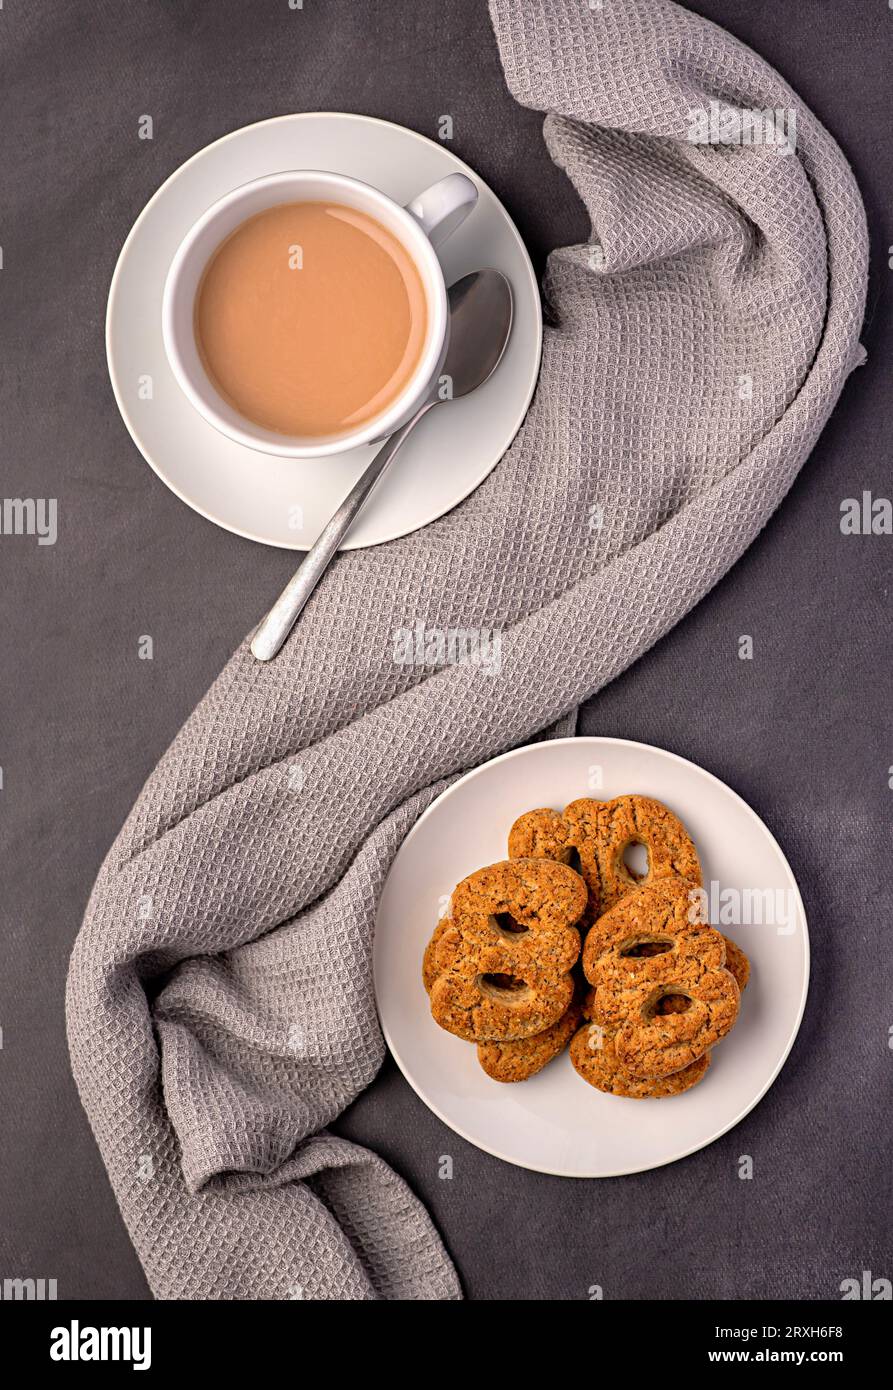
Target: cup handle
(443,207)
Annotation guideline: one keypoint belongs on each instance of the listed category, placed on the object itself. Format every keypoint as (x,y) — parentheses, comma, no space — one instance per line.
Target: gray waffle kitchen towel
(220,1002)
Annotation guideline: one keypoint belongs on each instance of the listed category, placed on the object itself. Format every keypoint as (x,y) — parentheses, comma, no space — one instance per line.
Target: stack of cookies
(498,969)
(564,932)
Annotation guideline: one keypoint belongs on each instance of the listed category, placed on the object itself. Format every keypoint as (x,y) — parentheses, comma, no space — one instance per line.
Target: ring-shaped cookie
(663,1010)
(604,832)
(501,962)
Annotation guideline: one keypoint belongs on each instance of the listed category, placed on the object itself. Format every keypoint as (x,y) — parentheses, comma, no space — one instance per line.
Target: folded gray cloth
(220,1001)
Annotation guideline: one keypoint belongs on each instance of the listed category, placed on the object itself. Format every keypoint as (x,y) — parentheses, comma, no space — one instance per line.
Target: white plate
(286,502)
(554,1122)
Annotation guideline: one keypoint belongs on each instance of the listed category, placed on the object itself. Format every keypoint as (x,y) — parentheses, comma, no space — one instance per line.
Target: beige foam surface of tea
(310,318)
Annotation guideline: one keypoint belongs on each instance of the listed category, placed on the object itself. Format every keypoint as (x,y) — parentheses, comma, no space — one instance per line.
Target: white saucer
(286,502)
(555,1123)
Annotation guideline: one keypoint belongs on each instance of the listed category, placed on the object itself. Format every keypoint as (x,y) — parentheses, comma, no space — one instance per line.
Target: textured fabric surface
(220,1001)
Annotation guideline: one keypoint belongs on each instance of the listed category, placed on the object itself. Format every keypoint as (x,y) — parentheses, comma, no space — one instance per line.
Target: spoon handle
(275,627)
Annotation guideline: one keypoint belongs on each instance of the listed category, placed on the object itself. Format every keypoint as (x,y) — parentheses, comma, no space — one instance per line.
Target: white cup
(421,226)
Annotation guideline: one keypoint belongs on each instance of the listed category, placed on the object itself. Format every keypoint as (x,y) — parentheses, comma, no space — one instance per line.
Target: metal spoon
(480,323)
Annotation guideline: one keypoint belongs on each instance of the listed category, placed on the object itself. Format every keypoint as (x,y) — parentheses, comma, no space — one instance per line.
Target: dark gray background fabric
(802,731)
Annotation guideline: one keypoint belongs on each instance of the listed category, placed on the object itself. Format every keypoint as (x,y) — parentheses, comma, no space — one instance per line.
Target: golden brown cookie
(545,834)
(737,963)
(502,959)
(524,1057)
(541,834)
(594,1058)
(431,967)
(603,832)
(660,983)
(593,837)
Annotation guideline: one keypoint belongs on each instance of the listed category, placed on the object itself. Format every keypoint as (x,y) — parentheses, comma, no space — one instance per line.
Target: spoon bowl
(480,326)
